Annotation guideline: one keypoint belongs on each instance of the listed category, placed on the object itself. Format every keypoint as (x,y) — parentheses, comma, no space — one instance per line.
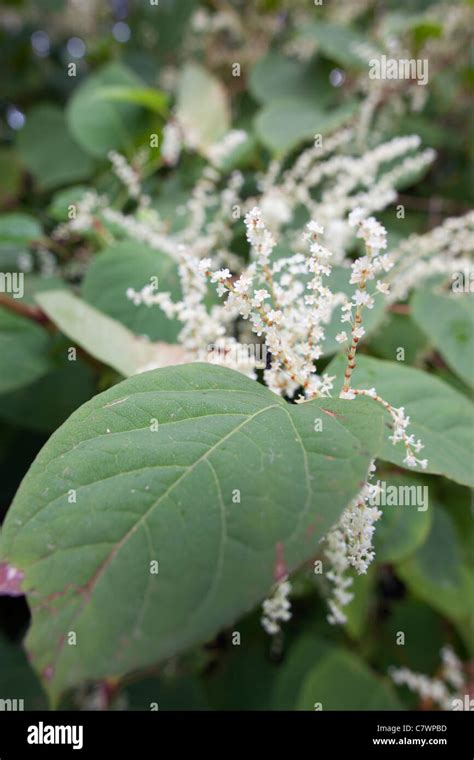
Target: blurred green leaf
(452,331)
(203,107)
(406,516)
(23,351)
(48,150)
(154,100)
(129,264)
(99,124)
(284,124)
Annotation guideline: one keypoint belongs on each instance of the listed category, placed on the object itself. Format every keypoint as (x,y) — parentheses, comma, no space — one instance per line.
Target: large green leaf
(148,97)
(101,336)
(440,416)
(132,265)
(341,44)
(202,107)
(100,124)
(448,321)
(342,682)
(285,123)
(48,150)
(196,467)
(316,671)
(396,332)
(275,77)
(23,351)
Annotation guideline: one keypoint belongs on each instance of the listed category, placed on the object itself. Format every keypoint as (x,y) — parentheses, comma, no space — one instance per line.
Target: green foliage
(452,333)
(24,351)
(100,123)
(132,265)
(171,493)
(48,150)
(225,484)
(439,415)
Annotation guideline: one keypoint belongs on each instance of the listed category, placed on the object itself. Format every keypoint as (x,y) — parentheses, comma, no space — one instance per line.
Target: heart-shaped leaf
(165,508)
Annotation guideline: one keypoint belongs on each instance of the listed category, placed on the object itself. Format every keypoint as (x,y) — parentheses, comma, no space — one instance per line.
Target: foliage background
(51,141)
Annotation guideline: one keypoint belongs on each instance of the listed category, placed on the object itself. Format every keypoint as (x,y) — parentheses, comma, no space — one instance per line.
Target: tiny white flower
(347,394)
(383,287)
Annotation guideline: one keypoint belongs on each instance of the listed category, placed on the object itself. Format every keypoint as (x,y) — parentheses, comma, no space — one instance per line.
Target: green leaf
(18,228)
(275,77)
(437,574)
(317,671)
(203,108)
(341,44)
(156,463)
(132,265)
(186,693)
(406,517)
(99,124)
(62,199)
(340,681)
(452,332)
(148,97)
(398,331)
(284,124)
(48,150)
(440,416)
(100,335)
(23,351)
(412,618)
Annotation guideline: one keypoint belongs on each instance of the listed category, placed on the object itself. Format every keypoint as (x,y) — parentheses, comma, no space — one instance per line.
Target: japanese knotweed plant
(172,504)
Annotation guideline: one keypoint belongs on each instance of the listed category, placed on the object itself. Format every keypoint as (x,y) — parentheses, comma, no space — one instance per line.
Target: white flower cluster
(449,686)
(443,250)
(366,268)
(172,143)
(289,314)
(349,545)
(84,217)
(220,151)
(127,175)
(203,336)
(277,608)
(330,183)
